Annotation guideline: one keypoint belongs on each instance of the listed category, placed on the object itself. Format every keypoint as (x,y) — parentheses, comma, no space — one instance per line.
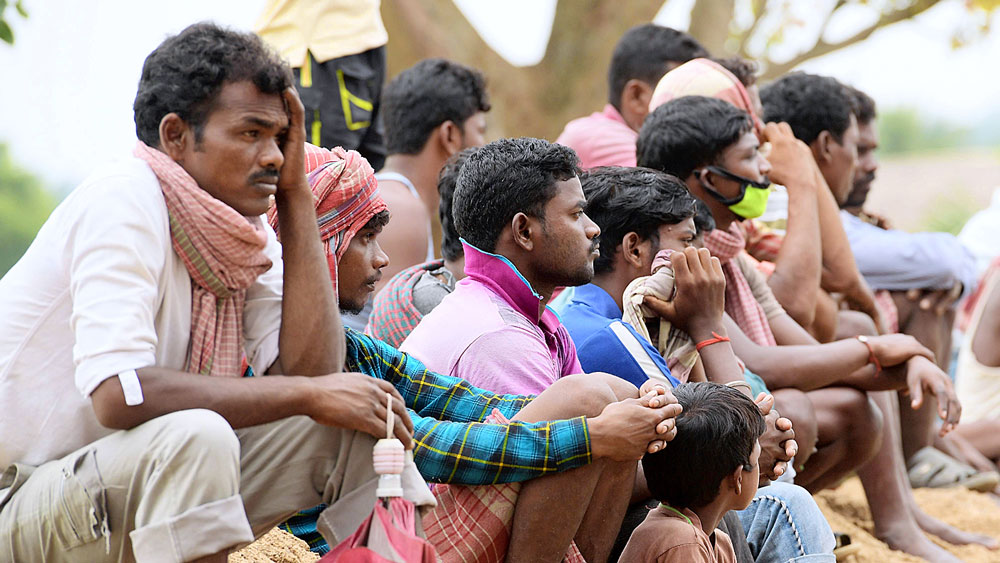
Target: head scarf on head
(346,197)
(702,77)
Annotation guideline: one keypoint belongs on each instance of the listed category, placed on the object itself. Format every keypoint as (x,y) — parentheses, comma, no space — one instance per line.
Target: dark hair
(809,103)
(185,74)
(632,200)
(716,432)
(378,221)
(644,53)
(504,178)
(745,70)
(689,132)
(426,95)
(862,105)
(703,220)
(451,246)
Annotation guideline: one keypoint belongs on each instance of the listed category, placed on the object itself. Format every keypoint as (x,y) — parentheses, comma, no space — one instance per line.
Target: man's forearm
(718,359)
(311,341)
(803,367)
(839,268)
(242,401)
(798,269)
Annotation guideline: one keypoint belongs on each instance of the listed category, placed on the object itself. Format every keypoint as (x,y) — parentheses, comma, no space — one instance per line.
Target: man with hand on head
(154,287)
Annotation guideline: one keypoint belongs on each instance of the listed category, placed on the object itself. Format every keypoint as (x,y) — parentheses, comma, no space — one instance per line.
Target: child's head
(703,222)
(715,451)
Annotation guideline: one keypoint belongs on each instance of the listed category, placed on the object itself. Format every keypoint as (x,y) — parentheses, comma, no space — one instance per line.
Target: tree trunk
(569,82)
(710,24)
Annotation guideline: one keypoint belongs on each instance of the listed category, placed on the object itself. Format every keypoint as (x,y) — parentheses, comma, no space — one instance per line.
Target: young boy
(708,469)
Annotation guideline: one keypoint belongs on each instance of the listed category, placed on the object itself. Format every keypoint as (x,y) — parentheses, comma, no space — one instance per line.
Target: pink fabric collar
(501,277)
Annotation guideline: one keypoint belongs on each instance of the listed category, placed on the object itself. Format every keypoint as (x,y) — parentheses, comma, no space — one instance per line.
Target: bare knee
(854,323)
(796,406)
(591,392)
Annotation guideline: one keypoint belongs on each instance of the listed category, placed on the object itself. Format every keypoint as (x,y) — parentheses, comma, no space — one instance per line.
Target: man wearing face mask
(691,136)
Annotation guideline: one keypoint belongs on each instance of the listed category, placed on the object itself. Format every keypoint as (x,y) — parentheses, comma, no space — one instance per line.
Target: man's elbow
(802,311)
(108,402)
(837,282)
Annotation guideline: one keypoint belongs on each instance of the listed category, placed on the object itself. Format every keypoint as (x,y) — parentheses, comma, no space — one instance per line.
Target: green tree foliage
(6,33)
(24,206)
(904,130)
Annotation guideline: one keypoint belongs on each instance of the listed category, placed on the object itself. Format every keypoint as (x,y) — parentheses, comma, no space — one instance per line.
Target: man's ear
(821,147)
(175,134)
(635,99)
(633,249)
(450,137)
(523,231)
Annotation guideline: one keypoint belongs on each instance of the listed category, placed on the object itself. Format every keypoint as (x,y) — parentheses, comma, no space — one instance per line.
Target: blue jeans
(784,524)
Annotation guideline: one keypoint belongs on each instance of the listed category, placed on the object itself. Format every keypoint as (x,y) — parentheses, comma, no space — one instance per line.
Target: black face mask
(744,184)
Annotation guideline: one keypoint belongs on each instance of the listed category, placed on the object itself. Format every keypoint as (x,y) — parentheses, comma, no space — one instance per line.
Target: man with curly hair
(137,331)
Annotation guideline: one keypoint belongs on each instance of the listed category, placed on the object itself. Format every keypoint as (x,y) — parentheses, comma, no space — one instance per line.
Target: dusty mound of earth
(847,511)
(845,508)
(276,546)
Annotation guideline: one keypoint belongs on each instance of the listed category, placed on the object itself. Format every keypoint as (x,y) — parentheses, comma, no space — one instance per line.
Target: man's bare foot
(914,542)
(952,534)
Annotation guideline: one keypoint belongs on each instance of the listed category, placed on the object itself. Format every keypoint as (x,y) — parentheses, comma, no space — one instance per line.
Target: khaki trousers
(186,485)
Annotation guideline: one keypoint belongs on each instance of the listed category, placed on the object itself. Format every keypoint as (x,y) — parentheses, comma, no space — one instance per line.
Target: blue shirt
(605,343)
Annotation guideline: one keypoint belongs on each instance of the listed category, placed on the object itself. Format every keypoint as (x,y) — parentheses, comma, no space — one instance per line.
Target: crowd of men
(597,349)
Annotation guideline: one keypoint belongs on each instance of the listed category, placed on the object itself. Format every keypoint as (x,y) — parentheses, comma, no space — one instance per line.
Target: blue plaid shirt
(451,444)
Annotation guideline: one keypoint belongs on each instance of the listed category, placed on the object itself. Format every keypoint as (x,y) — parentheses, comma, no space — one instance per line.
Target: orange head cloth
(346,196)
(702,77)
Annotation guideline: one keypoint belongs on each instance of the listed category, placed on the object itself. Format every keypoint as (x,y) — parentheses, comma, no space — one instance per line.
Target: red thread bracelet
(872,358)
(718,338)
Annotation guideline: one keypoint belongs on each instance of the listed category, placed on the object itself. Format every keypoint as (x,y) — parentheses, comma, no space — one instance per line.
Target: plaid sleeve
(452,445)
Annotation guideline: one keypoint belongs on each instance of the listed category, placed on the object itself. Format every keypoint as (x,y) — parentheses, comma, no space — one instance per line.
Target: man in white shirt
(154,273)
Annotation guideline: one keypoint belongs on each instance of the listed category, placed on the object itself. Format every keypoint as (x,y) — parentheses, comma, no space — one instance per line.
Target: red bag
(386,536)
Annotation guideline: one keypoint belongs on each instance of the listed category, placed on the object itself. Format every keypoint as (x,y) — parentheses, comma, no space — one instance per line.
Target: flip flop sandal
(845,550)
(930,467)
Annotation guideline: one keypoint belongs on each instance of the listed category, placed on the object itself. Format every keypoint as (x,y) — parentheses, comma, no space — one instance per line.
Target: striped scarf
(223,252)
(702,77)
(674,345)
(740,302)
(345,194)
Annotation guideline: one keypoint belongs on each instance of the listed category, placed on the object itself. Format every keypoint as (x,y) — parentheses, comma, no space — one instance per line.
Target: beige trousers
(186,485)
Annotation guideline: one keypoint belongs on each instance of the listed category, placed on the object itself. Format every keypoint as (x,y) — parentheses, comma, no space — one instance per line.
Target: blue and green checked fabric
(451,444)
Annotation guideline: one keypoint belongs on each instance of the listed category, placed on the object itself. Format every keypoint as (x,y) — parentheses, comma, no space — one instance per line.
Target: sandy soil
(276,546)
(847,511)
(845,508)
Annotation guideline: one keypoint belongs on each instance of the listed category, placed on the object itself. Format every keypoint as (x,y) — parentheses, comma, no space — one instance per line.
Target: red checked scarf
(223,253)
(740,302)
(346,197)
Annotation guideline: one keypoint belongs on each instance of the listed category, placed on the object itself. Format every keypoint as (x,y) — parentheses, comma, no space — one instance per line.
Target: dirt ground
(845,508)
(276,546)
(911,189)
(847,511)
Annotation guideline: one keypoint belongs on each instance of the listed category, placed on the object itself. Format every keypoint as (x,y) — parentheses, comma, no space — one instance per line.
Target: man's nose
(271,155)
(381,258)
